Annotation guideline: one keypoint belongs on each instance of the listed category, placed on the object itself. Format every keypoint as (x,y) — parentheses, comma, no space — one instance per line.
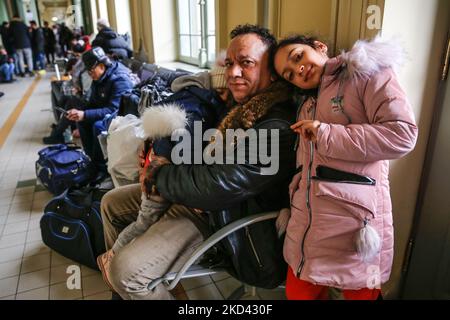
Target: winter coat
(112,43)
(37,40)
(19,32)
(107,92)
(198,105)
(7,40)
(232,191)
(50,39)
(343,183)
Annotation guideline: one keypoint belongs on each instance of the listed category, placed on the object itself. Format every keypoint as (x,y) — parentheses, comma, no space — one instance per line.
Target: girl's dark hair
(292,39)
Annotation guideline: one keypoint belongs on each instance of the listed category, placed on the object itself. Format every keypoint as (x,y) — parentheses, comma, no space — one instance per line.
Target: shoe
(1,94)
(31,74)
(53,140)
(104,262)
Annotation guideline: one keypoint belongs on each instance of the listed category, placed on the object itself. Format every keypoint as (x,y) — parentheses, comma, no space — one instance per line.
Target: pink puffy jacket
(328,207)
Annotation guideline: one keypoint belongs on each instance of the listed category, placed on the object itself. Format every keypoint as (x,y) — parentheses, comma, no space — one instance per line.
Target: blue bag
(62,166)
(72,225)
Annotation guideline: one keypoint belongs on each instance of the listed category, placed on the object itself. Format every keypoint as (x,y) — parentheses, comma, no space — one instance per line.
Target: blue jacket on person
(107,92)
(200,105)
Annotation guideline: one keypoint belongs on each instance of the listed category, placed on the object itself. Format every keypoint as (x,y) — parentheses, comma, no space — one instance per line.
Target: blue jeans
(39,61)
(6,72)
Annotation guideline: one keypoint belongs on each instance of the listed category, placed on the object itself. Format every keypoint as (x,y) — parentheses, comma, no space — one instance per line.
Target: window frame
(204,36)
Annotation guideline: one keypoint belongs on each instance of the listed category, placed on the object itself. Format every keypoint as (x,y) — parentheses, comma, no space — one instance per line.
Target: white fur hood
(162,121)
(368,57)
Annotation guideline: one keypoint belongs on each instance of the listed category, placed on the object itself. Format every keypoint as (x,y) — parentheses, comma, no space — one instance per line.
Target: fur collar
(246,115)
(368,57)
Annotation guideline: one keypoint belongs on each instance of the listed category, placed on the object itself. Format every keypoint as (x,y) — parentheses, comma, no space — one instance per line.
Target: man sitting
(6,67)
(110,81)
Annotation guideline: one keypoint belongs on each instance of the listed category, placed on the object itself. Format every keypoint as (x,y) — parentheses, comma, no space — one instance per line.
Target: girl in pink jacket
(355,119)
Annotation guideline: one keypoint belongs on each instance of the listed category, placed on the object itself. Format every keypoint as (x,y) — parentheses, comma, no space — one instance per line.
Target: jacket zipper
(247,232)
(308,193)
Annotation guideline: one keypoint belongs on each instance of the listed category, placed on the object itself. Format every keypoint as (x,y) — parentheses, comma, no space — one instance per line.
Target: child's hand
(307,128)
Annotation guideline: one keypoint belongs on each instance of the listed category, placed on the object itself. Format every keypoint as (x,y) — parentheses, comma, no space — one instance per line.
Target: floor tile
(220,276)
(58,260)
(26,183)
(193,283)
(12,297)
(11,253)
(12,240)
(228,286)
(34,248)
(35,263)
(106,295)
(8,286)
(18,217)
(61,292)
(10,269)
(59,274)
(86,271)
(15,227)
(34,280)
(208,292)
(275,294)
(35,294)
(93,284)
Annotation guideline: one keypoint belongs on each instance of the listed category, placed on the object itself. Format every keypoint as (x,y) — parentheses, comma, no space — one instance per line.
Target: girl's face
(301,64)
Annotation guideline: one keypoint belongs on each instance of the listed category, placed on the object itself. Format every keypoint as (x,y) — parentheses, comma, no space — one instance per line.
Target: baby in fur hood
(194,100)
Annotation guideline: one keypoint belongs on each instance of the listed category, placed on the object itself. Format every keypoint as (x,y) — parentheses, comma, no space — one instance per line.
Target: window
(196,31)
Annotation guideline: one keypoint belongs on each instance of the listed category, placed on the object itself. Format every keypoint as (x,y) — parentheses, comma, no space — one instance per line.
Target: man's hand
(75,115)
(307,128)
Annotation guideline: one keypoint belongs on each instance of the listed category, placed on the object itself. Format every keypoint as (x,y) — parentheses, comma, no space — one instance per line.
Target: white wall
(419,26)
(164,30)
(123,17)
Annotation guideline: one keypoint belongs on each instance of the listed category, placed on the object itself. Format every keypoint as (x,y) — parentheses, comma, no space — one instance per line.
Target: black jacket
(230,192)
(19,32)
(37,40)
(112,43)
(50,39)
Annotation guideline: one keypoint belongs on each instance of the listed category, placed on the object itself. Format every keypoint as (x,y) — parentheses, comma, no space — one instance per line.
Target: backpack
(62,166)
(72,225)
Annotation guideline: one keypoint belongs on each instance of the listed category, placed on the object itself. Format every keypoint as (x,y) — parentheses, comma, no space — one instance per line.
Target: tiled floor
(29,269)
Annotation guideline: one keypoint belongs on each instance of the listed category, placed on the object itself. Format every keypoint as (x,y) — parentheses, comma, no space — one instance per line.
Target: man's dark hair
(263,33)
(33,22)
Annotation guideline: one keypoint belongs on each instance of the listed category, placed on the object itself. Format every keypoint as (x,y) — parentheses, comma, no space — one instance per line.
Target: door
(428,274)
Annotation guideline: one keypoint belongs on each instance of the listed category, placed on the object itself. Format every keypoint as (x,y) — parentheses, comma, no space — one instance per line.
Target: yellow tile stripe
(9,124)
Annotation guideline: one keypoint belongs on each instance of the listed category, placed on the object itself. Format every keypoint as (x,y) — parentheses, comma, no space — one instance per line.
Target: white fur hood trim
(162,121)
(368,57)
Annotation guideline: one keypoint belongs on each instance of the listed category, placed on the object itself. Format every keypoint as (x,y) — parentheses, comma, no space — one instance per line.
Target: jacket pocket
(346,198)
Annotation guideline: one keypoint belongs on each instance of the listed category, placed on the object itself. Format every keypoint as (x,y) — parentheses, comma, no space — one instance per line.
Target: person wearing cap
(198,98)
(110,80)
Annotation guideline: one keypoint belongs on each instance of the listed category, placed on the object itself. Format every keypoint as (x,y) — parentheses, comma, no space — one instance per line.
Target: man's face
(97,72)
(247,64)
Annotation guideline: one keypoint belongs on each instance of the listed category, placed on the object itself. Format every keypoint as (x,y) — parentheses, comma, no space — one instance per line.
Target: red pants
(297,289)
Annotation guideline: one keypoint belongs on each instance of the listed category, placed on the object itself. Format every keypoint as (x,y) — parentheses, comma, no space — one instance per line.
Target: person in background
(111,42)
(50,43)
(8,42)
(6,67)
(37,45)
(22,43)
(111,80)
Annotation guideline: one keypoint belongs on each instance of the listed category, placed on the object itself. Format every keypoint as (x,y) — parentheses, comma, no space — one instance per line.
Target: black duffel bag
(72,225)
